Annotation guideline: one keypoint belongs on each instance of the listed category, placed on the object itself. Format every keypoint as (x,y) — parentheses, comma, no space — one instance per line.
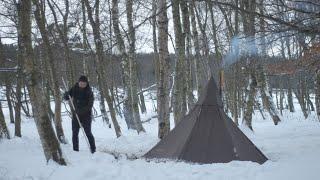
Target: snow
(293,149)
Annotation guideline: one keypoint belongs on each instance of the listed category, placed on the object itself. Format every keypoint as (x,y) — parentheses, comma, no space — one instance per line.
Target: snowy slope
(293,148)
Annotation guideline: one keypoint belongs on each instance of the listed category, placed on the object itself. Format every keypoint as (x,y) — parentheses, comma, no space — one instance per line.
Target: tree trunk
(179,94)
(290,99)
(41,22)
(204,46)
(95,24)
(262,25)
(317,93)
(163,98)
(235,96)
(300,94)
(85,39)
(26,109)
(63,34)
(142,104)
(215,37)
(50,144)
(133,67)
(188,68)
(127,108)
(266,98)
(199,76)
(7,83)
(18,93)
(9,101)
(103,108)
(154,38)
(131,108)
(310,106)
(4,131)
(281,97)
(17,106)
(250,99)
(248,22)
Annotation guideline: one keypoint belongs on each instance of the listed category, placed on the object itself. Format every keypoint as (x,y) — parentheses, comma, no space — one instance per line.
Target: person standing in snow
(82,98)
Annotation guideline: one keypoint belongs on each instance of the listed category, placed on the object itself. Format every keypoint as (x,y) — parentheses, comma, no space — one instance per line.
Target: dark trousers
(87,129)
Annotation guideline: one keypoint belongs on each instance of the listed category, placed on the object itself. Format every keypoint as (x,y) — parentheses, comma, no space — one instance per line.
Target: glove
(66,96)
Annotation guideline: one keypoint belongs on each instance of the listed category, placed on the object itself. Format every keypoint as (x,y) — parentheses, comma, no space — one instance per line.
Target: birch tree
(199,70)
(248,21)
(131,107)
(63,35)
(163,98)
(179,92)
(95,24)
(40,17)
(185,6)
(50,144)
(266,98)
(18,93)
(133,67)
(4,131)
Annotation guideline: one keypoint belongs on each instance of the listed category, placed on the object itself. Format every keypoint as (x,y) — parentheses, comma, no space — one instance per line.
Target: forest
(148,62)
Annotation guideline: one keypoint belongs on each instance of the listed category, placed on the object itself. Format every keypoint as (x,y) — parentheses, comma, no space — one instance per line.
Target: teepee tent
(207,135)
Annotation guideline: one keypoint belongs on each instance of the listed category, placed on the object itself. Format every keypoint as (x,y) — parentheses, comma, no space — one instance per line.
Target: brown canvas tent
(207,135)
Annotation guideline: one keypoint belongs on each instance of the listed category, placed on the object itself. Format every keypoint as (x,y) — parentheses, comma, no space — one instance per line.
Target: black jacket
(82,100)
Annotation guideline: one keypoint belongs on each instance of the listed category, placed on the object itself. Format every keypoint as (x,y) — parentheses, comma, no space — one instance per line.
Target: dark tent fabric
(207,135)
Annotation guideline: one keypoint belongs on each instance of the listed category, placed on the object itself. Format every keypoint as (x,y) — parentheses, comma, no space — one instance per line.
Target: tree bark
(317,93)
(266,98)
(131,107)
(41,22)
(4,131)
(95,24)
(8,84)
(290,99)
(18,94)
(250,99)
(199,75)
(133,67)
(248,22)
(63,34)
(163,98)
(215,37)
(50,144)
(300,94)
(154,38)
(8,97)
(179,93)
(189,65)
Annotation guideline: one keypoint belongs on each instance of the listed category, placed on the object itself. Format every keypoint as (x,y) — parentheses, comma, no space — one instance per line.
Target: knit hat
(83,78)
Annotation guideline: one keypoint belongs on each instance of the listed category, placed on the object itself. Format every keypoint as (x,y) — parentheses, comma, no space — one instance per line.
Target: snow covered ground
(293,149)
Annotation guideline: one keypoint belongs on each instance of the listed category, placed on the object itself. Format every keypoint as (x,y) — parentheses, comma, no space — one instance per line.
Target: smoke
(240,46)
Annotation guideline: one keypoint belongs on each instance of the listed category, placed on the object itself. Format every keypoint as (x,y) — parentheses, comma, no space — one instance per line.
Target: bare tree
(163,98)
(131,107)
(198,66)
(95,24)
(189,66)
(133,67)
(41,22)
(179,92)
(50,144)
(63,35)
(266,97)
(4,131)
